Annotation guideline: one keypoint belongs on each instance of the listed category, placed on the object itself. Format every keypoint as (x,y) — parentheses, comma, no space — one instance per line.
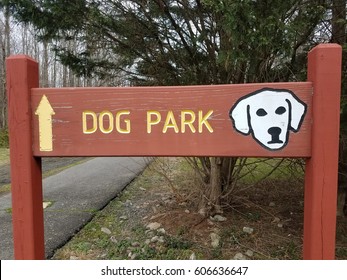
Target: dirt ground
(157,219)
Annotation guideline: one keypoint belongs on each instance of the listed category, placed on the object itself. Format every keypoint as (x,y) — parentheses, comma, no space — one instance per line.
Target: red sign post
(324,71)
(249,120)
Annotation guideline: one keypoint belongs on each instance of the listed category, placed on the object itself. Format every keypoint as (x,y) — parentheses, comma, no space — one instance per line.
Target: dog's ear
(297,112)
(239,114)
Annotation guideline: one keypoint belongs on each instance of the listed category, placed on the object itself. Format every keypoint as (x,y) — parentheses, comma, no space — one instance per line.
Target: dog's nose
(274,131)
(275,135)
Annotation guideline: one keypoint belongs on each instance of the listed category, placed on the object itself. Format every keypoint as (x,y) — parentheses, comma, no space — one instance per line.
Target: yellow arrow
(45,113)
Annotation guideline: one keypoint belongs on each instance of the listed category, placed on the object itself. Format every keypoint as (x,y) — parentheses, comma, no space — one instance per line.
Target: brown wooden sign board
(166,121)
(249,120)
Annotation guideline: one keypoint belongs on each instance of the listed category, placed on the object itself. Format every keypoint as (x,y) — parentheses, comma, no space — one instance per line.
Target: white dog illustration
(269,115)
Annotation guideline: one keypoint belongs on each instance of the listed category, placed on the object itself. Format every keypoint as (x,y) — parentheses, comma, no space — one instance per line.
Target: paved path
(76,194)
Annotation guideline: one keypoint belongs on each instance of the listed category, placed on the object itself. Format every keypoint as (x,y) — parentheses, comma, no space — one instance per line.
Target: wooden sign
(174,121)
(249,120)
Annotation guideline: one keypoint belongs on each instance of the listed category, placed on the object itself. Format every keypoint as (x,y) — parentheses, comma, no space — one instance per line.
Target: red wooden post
(324,71)
(26,176)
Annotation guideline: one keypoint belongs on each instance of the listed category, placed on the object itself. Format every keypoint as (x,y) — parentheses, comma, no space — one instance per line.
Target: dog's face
(269,115)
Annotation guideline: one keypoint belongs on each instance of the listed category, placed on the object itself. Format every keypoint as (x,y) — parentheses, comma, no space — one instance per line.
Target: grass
(4,156)
(5,188)
(257,169)
(4,160)
(4,142)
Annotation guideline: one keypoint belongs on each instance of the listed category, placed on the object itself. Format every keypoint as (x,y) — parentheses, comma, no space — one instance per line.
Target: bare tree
(45,66)
(5,51)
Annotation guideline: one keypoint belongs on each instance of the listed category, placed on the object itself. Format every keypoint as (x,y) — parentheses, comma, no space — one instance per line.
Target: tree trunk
(64,76)
(54,72)
(216,185)
(25,39)
(2,78)
(339,36)
(45,66)
(6,50)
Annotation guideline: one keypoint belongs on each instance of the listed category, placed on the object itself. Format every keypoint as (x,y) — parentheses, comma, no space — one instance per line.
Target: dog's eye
(261,112)
(280,110)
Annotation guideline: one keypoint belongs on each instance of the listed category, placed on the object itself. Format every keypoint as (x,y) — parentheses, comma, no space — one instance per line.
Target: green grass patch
(4,156)
(4,141)
(257,169)
(5,188)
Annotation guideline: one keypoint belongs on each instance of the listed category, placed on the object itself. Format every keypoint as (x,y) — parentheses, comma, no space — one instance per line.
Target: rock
(192,256)
(276,220)
(249,253)
(106,230)
(218,218)
(113,239)
(147,241)
(153,226)
(128,203)
(74,258)
(161,239)
(202,212)
(133,256)
(215,238)
(272,204)
(280,225)
(187,211)
(161,230)
(150,233)
(248,230)
(123,217)
(130,249)
(154,239)
(142,189)
(239,256)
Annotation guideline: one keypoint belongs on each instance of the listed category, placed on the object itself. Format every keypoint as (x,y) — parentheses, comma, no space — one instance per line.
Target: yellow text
(187,120)
(106,122)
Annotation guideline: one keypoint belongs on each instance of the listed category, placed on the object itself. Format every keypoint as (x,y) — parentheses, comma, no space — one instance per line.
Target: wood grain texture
(70,103)
(324,70)
(26,177)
